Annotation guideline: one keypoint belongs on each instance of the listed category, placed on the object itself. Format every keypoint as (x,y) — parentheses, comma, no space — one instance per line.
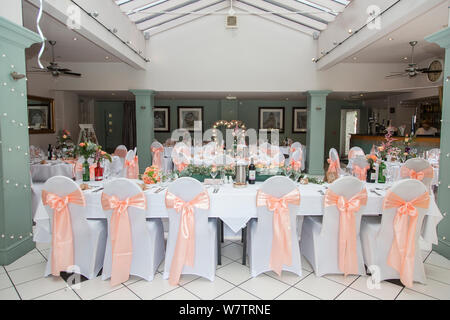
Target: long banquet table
(236,206)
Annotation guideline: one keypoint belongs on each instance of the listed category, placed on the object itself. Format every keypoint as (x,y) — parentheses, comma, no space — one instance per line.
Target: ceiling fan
(413,70)
(54,68)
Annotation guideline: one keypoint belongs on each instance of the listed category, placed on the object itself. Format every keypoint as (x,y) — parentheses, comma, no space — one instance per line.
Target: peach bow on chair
(402,253)
(296,164)
(120,229)
(184,253)
(157,159)
(334,166)
(360,172)
(406,172)
(62,236)
(348,257)
(132,170)
(281,253)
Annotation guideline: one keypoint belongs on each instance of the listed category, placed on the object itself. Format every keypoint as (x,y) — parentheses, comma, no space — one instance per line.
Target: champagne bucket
(241,174)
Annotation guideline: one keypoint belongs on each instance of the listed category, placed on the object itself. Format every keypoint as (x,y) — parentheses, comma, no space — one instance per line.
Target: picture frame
(41,115)
(161,118)
(271,118)
(188,115)
(299,120)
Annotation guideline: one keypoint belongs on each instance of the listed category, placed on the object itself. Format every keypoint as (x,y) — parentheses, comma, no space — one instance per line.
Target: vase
(86,171)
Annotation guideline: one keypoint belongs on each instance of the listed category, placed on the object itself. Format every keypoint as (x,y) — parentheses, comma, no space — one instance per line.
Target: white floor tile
(32,272)
(437,260)
(320,287)
(94,288)
(351,294)
(149,290)
(346,281)
(45,253)
(437,273)
(208,290)
(63,294)
(233,251)
(237,294)
(225,261)
(187,278)
(121,294)
(42,246)
(33,257)
(433,289)
(178,294)
(306,265)
(39,287)
(9,294)
(407,294)
(386,291)
(288,277)
(2,270)
(296,294)
(264,287)
(5,282)
(235,273)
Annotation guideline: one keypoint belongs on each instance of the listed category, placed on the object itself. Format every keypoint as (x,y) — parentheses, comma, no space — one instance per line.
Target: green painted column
(144,126)
(442,38)
(15,193)
(315,136)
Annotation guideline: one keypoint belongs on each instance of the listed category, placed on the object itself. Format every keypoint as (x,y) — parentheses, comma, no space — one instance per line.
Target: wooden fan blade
(430,71)
(71,74)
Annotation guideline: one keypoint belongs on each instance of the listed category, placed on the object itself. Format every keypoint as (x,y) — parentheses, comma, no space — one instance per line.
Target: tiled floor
(24,279)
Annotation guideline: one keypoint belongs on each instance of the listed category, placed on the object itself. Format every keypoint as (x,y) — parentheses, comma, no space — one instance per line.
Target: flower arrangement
(65,144)
(407,152)
(151,175)
(371,158)
(101,155)
(385,148)
(86,150)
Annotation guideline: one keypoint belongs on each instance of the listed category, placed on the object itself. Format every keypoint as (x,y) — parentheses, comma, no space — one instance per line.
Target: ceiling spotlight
(94,14)
(405,58)
(390,39)
(355,58)
(313,59)
(107,58)
(75,39)
(350,31)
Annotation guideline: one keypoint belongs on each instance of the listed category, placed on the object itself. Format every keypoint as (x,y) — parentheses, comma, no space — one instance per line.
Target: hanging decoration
(40,34)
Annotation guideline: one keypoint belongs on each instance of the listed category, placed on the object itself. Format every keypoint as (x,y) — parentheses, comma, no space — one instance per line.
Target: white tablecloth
(236,206)
(43,172)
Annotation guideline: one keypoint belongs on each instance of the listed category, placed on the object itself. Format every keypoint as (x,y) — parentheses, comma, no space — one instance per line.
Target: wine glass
(214,173)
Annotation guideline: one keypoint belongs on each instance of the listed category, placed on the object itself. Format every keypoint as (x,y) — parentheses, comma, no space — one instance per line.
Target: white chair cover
(115,166)
(353,153)
(130,157)
(147,234)
(320,234)
(297,157)
(359,161)
(334,156)
(121,151)
(181,153)
(417,165)
(205,261)
(377,234)
(89,236)
(434,156)
(296,146)
(158,145)
(260,235)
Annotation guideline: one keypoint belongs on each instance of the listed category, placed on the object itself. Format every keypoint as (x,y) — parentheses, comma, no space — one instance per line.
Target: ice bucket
(241,174)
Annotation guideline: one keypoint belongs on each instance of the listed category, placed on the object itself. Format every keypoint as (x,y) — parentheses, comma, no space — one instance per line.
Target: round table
(43,172)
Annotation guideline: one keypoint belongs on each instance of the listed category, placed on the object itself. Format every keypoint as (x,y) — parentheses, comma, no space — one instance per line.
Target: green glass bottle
(381,176)
(86,171)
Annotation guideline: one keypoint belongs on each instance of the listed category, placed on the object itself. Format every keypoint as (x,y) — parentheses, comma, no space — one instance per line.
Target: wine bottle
(251,173)
(50,152)
(98,172)
(371,175)
(381,176)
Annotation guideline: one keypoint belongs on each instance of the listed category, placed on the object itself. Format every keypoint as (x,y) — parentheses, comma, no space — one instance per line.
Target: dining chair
(360,165)
(157,151)
(130,170)
(86,238)
(352,154)
(331,242)
(124,205)
(384,238)
(419,169)
(121,151)
(272,238)
(334,162)
(192,238)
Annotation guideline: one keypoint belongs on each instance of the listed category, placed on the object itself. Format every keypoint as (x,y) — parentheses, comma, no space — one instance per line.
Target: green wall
(108,140)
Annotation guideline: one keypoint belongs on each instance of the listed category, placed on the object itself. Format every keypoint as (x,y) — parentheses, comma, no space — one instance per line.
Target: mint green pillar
(15,194)
(145,101)
(315,136)
(442,38)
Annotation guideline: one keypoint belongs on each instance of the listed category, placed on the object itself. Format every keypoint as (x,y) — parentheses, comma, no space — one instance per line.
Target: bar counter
(422,143)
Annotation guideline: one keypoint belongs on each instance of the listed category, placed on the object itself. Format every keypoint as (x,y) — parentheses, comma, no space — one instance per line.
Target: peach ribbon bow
(157,160)
(360,172)
(406,172)
(120,229)
(184,253)
(334,166)
(296,164)
(348,258)
(402,253)
(132,167)
(62,236)
(281,253)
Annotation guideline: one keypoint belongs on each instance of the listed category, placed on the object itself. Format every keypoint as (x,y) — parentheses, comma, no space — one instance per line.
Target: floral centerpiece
(87,150)
(65,144)
(406,147)
(151,175)
(385,149)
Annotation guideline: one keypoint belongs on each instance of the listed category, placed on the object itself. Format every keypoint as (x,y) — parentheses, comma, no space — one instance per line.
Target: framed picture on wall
(161,119)
(271,118)
(187,117)
(41,115)
(299,120)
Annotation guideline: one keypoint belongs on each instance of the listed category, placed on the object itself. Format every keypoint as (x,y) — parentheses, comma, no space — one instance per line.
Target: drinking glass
(214,173)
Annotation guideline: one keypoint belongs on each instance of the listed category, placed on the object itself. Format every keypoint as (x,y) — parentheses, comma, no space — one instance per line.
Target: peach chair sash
(334,166)
(184,253)
(281,253)
(132,167)
(402,253)
(181,156)
(157,159)
(121,241)
(348,257)
(62,236)
(406,172)
(360,172)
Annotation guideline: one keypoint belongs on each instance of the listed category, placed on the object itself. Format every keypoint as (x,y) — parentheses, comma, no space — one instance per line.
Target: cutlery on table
(99,189)
(321,192)
(373,191)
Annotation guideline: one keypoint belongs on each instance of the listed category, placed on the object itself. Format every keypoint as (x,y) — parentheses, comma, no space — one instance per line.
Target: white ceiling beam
(180,21)
(165,6)
(281,21)
(288,14)
(300,7)
(330,4)
(173,14)
(135,4)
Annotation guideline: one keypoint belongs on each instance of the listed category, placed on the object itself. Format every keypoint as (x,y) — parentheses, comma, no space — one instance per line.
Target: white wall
(12,10)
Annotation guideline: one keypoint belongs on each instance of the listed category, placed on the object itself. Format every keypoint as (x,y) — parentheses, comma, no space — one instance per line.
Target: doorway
(349,125)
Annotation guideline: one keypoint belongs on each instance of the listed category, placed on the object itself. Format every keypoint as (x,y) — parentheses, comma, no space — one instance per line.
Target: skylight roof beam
(308,11)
